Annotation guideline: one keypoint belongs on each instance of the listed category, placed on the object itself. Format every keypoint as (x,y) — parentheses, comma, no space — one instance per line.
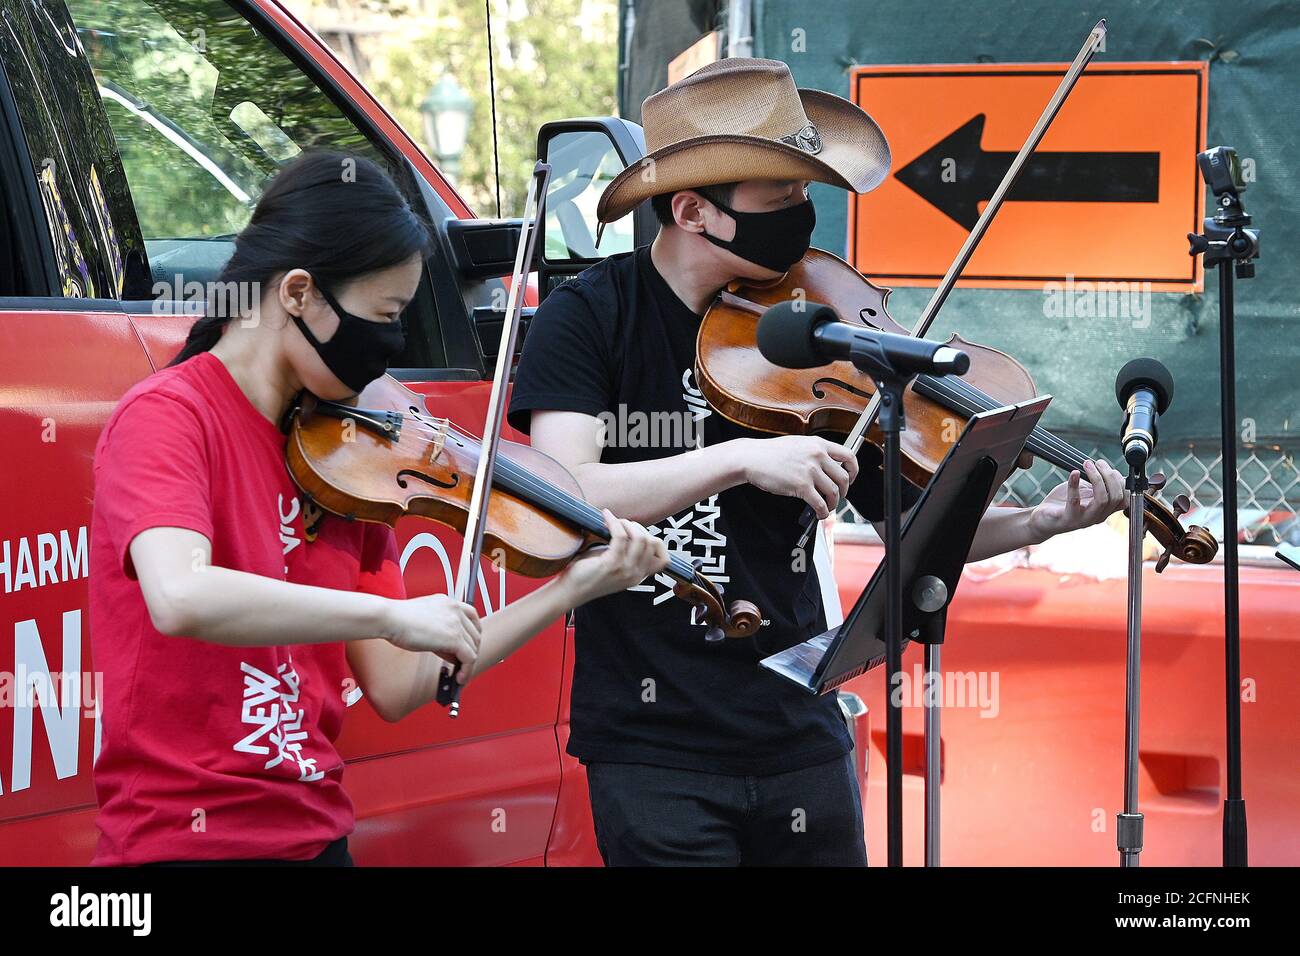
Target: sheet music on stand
(937,536)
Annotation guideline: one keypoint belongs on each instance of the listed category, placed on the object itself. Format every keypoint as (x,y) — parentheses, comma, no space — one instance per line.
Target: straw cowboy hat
(742,118)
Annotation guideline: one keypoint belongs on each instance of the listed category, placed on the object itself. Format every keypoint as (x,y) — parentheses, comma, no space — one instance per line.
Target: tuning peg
(1182,505)
(1164,560)
(1156,481)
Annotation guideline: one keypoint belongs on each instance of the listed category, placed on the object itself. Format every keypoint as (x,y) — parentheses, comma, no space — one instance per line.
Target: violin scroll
(1195,545)
(737,619)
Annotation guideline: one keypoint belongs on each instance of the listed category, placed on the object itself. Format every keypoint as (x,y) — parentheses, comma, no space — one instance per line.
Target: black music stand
(936,541)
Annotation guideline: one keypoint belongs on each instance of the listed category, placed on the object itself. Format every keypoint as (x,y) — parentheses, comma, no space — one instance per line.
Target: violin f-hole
(819,393)
(437,483)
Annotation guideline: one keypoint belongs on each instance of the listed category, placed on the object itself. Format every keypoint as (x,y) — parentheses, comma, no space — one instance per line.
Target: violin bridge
(439,440)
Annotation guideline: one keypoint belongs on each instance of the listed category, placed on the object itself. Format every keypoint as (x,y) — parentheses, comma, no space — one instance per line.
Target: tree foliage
(553,59)
(202,107)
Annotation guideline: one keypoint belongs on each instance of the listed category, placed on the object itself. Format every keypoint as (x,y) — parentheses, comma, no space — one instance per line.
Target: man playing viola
(695,754)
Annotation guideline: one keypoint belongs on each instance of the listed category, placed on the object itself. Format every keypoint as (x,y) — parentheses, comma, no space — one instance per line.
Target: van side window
(75,231)
(204,110)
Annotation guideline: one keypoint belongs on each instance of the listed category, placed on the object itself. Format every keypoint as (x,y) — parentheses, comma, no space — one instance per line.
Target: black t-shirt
(617,343)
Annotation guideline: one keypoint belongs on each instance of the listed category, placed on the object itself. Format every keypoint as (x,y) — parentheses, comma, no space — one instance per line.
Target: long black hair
(337,215)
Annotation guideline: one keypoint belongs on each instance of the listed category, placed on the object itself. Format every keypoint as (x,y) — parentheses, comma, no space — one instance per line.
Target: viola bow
(449,688)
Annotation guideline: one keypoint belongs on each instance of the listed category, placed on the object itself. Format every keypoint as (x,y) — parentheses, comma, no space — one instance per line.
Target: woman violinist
(227,623)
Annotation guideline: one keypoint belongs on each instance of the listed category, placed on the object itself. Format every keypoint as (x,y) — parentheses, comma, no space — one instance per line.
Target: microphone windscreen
(785,334)
(1145,372)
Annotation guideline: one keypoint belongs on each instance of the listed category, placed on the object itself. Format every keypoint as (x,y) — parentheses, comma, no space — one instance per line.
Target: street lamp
(447,110)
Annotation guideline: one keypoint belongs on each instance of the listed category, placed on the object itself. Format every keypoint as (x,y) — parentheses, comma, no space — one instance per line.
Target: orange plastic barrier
(1033,737)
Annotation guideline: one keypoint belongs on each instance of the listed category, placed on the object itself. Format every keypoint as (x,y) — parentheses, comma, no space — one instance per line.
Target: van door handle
(487,327)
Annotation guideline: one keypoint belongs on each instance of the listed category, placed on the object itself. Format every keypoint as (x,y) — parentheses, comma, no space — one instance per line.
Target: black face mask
(775,240)
(359,350)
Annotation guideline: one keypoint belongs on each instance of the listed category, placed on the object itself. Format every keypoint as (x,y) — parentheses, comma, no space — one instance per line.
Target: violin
(745,388)
(388,456)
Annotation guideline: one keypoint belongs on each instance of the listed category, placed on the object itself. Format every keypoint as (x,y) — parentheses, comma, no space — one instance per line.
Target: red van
(134,136)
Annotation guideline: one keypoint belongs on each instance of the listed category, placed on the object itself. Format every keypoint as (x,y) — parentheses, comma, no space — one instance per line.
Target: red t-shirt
(210,751)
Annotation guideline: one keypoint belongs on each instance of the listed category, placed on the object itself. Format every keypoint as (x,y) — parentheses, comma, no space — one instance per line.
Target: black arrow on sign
(1045,177)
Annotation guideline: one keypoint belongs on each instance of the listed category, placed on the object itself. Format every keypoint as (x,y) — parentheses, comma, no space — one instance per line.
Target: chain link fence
(1268,486)
(1268,482)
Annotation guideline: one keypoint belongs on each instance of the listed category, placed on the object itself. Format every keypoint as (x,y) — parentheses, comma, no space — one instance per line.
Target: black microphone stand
(1128,823)
(1227,242)
(891,383)
(891,387)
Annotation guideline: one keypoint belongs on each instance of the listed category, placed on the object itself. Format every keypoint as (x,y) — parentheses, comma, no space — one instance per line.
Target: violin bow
(472,550)
(931,310)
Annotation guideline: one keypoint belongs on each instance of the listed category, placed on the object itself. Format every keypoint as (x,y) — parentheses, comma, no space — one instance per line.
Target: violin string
(546,493)
(1047,445)
(566,505)
(1069,455)
(560,501)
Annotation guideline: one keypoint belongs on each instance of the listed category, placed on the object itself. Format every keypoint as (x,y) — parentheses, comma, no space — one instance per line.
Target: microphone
(806,335)
(1144,389)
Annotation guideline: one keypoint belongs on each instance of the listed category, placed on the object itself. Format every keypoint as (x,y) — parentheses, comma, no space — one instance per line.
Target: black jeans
(334,854)
(660,816)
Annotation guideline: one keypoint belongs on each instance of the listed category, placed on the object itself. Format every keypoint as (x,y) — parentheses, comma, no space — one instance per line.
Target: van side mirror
(585,155)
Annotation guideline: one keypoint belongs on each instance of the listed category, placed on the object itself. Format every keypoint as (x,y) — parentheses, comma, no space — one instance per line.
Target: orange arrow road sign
(1109,195)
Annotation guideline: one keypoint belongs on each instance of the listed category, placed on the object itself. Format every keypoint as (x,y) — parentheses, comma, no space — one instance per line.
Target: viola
(388,456)
(745,388)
